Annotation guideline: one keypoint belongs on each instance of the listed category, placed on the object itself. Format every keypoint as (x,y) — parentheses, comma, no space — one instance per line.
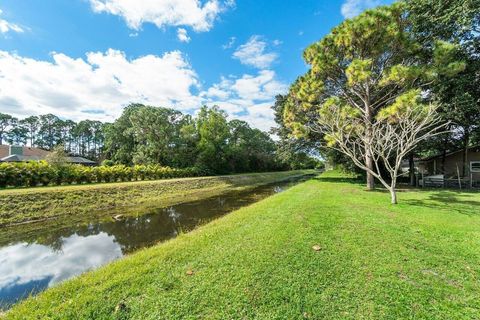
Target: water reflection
(29,268)
(34,259)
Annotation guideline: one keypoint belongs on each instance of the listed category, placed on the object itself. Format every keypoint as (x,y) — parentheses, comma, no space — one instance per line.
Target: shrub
(108,163)
(32,174)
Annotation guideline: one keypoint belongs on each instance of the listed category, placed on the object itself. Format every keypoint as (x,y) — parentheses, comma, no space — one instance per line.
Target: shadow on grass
(448,200)
(354,180)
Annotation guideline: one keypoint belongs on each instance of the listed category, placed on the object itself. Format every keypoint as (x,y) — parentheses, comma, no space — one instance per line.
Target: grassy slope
(419,259)
(20,205)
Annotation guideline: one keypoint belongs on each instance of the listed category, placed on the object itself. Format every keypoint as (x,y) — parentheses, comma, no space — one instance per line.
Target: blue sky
(89,58)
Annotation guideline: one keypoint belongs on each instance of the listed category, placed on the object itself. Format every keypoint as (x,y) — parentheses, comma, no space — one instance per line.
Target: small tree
(58,157)
(396,131)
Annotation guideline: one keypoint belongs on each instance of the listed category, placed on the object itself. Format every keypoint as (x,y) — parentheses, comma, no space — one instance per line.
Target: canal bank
(37,204)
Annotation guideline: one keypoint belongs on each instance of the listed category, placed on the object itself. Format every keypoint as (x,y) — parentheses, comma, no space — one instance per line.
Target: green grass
(417,260)
(33,204)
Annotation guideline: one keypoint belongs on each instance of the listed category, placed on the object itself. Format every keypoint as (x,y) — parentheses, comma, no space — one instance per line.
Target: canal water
(35,257)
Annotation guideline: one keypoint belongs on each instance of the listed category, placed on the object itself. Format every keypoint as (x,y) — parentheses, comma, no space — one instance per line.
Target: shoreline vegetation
(25,205)
(325,248)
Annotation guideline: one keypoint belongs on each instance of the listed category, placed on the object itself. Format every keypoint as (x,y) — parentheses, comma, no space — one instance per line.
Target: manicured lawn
(417,260)
(32,204)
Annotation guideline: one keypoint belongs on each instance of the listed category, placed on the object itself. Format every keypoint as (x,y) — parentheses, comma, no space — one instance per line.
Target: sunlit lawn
(419,259)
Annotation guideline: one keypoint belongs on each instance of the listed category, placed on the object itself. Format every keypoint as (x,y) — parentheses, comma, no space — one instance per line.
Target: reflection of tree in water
(52,240)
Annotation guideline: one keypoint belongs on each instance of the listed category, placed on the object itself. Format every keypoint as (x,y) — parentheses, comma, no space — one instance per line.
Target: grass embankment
(33,204)
(419,259)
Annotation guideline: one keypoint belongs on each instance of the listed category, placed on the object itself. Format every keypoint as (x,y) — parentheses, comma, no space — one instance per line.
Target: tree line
(85,138)
(147,135)
(208,140)
(395,82)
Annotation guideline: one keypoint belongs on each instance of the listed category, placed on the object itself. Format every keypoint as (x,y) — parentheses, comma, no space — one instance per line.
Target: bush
(108,163)
(32,174)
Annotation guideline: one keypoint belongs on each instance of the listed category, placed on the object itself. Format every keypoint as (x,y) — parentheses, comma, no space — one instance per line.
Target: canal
(35,257)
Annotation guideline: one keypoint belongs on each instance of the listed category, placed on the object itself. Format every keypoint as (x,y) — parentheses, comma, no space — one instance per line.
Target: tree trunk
(393,194)
(466,139)
(368,155)
(444,152)
(370,177)
(411,165)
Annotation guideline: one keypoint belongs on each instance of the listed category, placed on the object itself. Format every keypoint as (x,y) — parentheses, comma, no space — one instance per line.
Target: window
(475,166)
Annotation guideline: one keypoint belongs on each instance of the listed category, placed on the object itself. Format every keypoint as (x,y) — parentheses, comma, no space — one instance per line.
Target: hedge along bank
(41,173)
(34,204)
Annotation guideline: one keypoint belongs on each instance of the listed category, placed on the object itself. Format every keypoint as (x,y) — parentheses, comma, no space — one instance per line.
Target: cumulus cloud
(6,26)
(164,13)
(352,8)
(248,97)
(182,35)
(254,53)
(99,85)
(71,87)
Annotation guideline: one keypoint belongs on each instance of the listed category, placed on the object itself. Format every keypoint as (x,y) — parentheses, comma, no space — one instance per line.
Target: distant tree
(152,135)
(48,133)
(187,151)
(32,125)
(58,156)
(98,136)
(213,134)
(83,136)
(249,149)
(18,134)
(157,133)
(299,152)
(67,129)
(120,143)
(6,122)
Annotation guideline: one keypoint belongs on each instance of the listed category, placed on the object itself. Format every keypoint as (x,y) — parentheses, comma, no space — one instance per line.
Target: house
(20,154)
(448,169)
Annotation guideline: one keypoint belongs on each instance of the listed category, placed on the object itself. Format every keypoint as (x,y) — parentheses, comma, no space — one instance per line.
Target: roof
(80,160)
(19,158)
(4,151)
(449,153)
(35,154)
(27,151)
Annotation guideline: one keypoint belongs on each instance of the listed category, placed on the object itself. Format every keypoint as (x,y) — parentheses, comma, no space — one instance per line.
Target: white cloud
(277,42)
(6,26)
(248,98)
(182,35)
(230,43)
(106,81)
(253,53)
(352,8)
(98,86)
(164,13)
(23,263)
